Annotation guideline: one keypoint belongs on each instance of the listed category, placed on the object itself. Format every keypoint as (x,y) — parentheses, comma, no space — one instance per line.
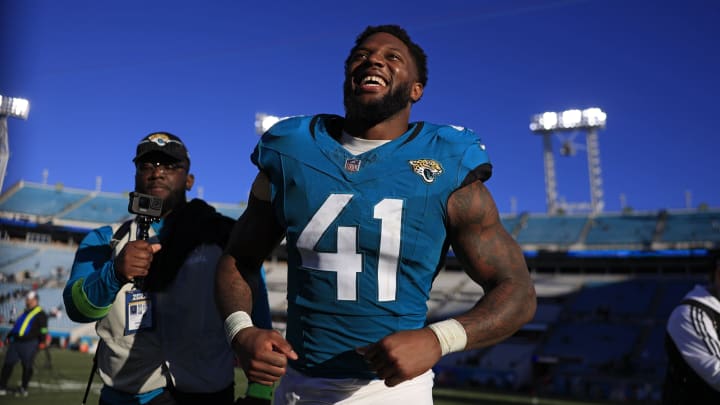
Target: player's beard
(376,111)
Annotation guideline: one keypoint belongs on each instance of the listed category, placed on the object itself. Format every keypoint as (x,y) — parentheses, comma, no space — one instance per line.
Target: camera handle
(143,233)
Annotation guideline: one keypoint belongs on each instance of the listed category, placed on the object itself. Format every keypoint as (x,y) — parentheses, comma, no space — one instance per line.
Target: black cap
(163,142)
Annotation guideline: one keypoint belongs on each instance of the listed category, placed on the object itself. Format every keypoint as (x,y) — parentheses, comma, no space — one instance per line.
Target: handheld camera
(145,205)
(148,209)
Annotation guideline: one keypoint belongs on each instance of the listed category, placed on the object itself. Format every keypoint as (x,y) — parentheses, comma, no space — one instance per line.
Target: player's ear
(416,92)
(189,181)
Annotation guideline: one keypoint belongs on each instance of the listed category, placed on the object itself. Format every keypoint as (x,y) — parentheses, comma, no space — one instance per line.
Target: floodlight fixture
(589,120)
(263,122)
(568,120)
(14,107)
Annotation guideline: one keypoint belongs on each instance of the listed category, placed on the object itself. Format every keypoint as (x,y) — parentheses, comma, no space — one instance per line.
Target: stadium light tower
(589,120)
(15,108)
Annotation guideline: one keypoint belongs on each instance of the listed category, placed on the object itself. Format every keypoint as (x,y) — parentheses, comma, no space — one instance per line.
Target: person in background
(162,341)
(692,345)
(369,204)
(27,336)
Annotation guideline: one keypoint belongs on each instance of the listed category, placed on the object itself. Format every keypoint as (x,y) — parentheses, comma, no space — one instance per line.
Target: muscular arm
(493,259)
(262,353)
(253,238)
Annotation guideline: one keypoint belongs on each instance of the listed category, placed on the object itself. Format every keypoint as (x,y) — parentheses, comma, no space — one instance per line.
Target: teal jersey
(366,234)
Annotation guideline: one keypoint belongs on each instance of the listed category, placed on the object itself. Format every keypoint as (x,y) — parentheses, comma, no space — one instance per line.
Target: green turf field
(63,381)
(64,378)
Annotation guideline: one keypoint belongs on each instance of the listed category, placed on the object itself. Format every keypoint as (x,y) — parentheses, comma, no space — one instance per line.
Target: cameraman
(162,340)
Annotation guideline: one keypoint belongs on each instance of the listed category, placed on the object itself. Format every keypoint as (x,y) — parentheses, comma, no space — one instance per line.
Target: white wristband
(236,322)
(451,334)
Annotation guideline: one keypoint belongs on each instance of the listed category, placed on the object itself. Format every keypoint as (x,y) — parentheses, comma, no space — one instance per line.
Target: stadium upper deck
(30,204)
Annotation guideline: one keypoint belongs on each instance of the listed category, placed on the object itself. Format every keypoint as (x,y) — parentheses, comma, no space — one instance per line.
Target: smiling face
(162,176)
(381,79)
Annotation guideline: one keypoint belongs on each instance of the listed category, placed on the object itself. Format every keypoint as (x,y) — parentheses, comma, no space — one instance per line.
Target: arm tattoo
(493,259)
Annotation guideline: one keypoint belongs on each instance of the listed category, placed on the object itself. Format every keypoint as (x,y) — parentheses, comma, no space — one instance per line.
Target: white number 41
(346,261)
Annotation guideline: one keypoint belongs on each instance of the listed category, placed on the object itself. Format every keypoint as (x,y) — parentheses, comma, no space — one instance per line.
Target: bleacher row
(62,206)
(86,209)
(43,267)
(603,340)
(661,230)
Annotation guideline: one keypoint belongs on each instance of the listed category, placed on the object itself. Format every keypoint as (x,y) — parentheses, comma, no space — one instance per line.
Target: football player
(369,204)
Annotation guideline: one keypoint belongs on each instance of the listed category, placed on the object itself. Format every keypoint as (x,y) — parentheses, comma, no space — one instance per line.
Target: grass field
(64,379)
(63,382)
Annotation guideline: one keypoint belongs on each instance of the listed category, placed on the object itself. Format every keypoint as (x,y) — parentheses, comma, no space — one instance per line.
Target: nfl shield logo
(352,165)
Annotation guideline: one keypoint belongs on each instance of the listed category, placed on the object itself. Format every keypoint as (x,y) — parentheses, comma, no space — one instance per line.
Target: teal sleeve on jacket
(92,286)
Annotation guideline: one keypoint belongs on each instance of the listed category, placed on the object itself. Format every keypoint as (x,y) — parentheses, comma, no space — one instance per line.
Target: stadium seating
(688,227)
(564,230)
(624,299)
(674,289)
(42,261)
(512,223)
(622,229)
(101,208)
(230,210)
(547,313)
(12,252)
(594,344)
(52,303)
(44,201)
(650,358)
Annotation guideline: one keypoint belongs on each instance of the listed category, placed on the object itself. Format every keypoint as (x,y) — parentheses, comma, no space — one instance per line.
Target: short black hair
(395,30)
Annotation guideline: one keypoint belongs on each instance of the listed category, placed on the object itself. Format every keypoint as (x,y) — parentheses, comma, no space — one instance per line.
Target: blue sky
(101,75)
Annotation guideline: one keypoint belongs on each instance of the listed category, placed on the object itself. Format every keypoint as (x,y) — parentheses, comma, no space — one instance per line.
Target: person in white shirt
(692,344)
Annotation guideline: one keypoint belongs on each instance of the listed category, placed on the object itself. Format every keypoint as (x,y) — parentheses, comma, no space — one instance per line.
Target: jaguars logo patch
(159,138)
(428,169)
